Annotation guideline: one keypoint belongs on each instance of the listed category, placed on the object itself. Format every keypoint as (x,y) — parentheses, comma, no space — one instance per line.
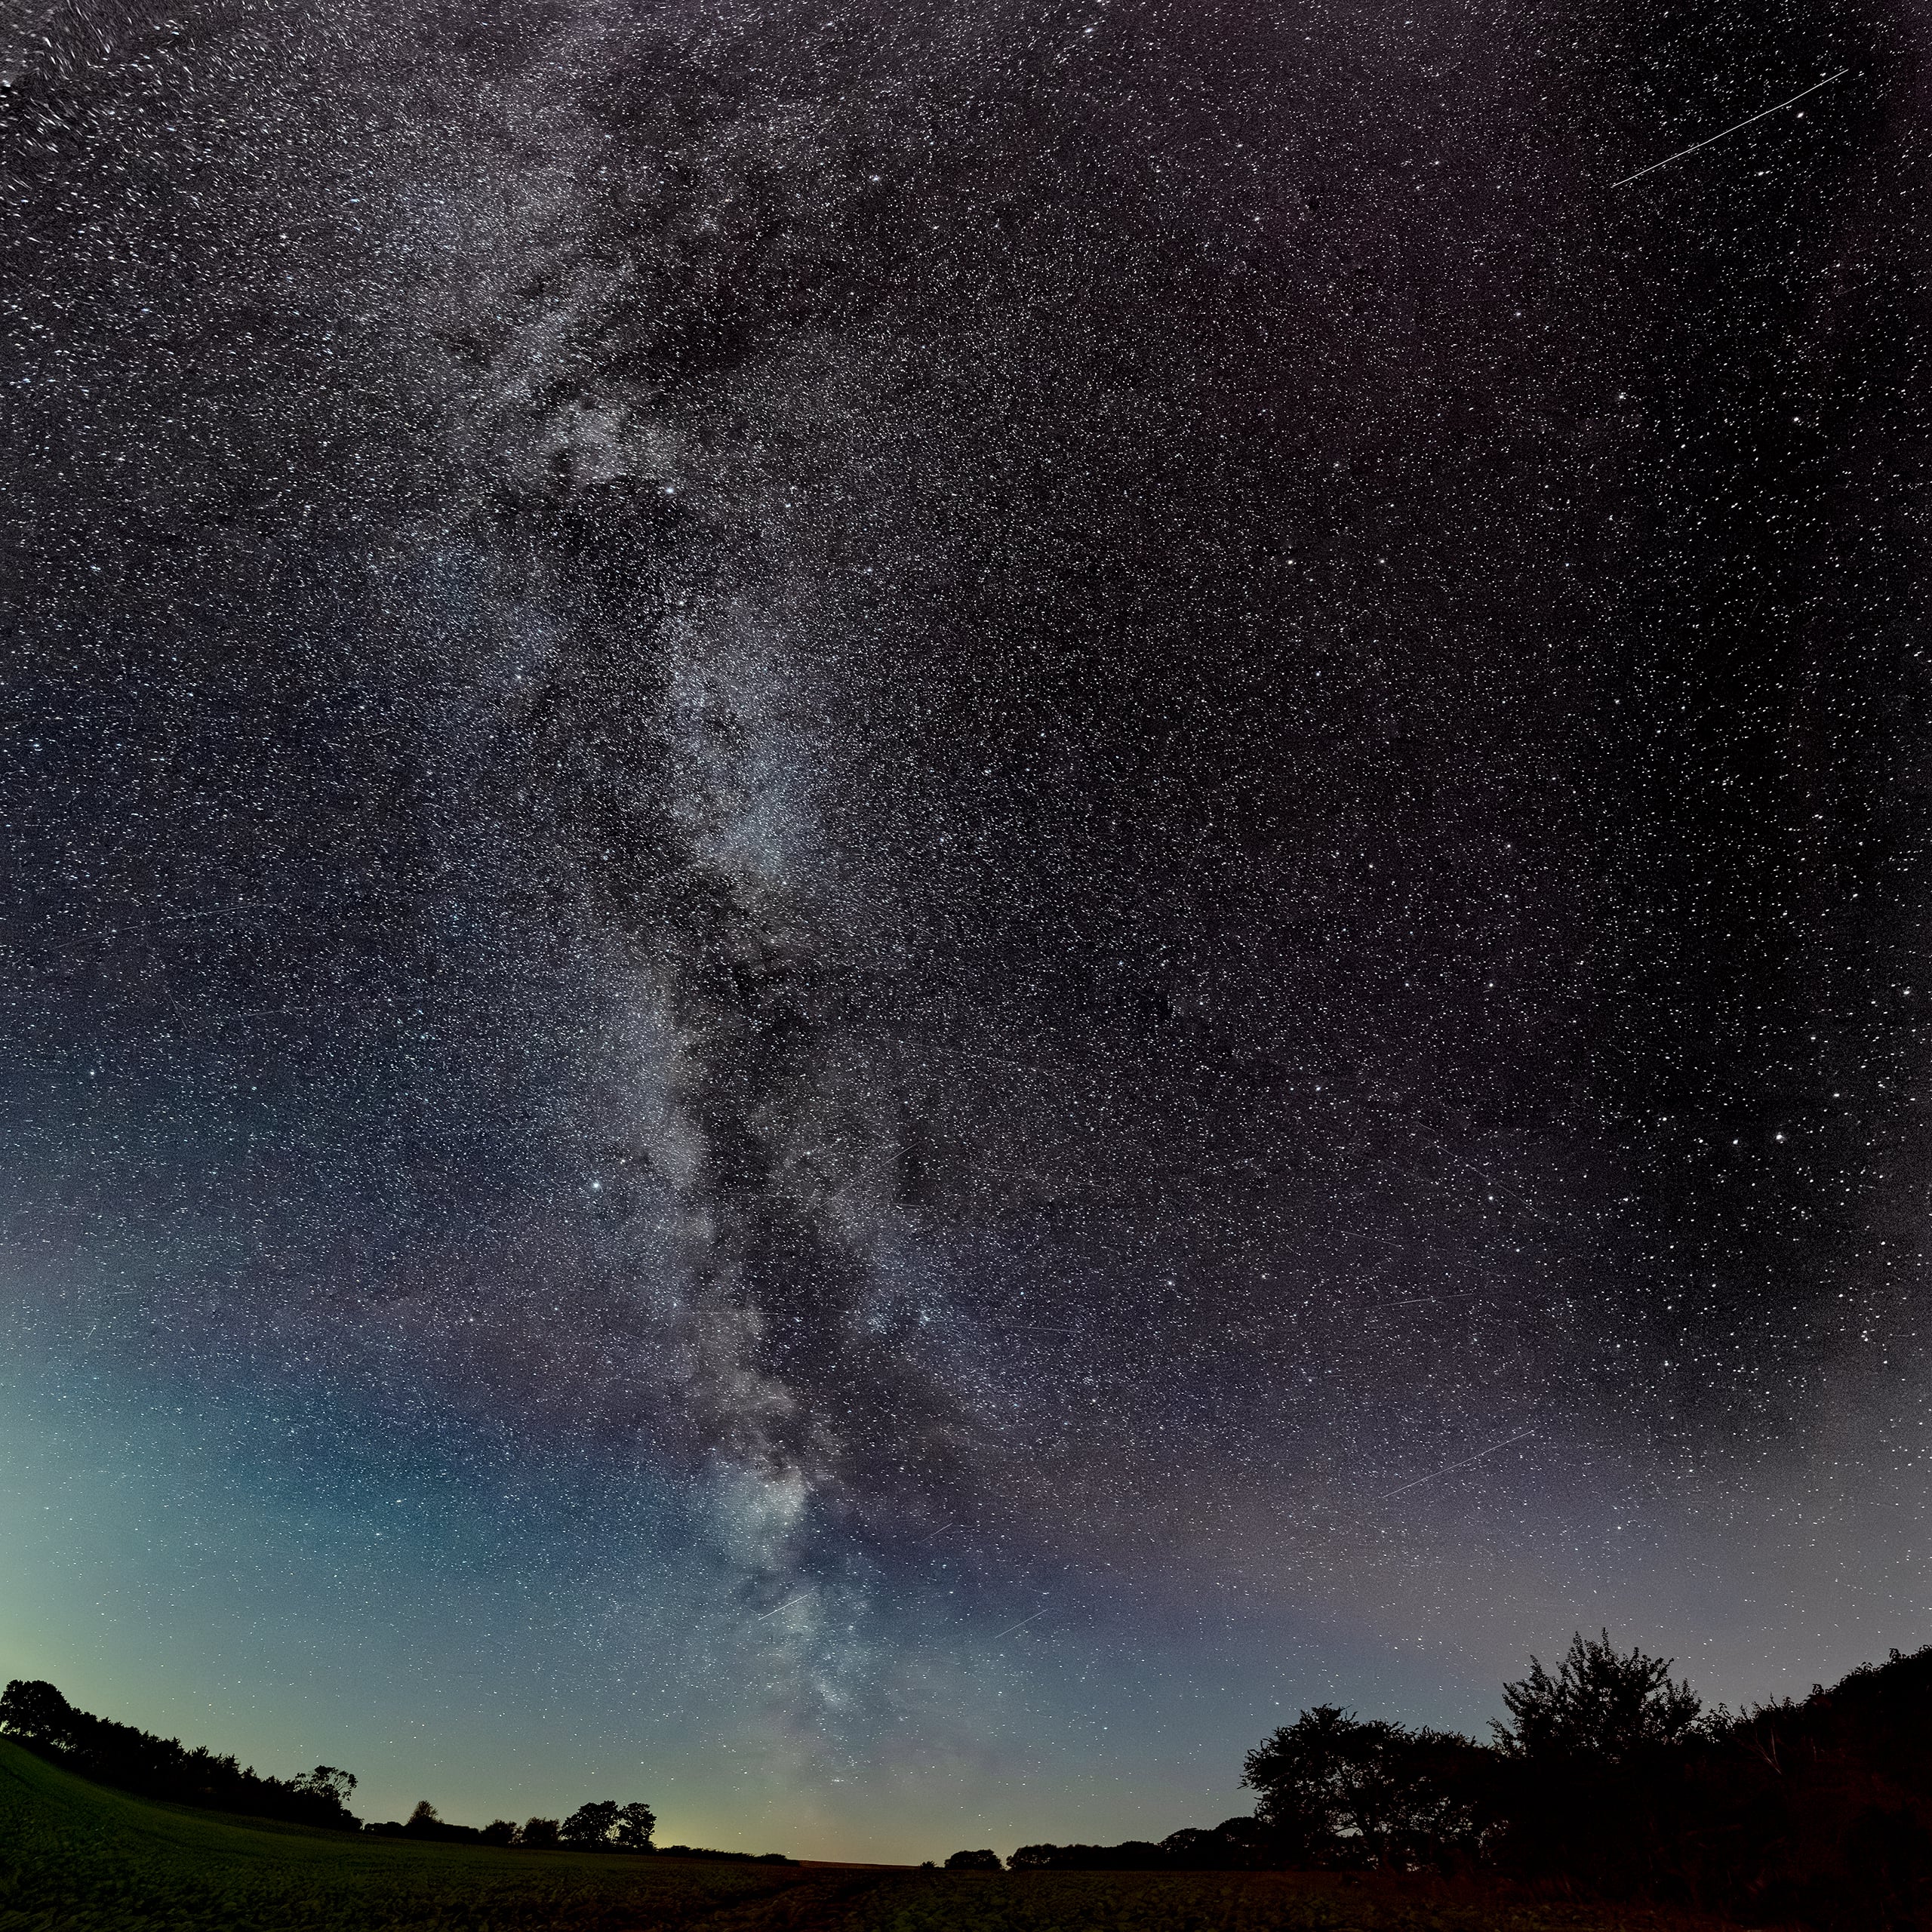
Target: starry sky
(902,902)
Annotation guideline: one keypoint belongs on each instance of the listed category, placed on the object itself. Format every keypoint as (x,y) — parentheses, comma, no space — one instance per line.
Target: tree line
(36,1714)
(601,1825)
(1609,1776)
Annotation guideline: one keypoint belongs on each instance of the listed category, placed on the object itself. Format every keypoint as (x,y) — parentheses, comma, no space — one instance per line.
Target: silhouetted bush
(974,1861)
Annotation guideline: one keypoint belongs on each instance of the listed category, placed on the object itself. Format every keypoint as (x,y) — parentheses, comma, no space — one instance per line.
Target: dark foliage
(1818,1811)
(606,1826)
(592,1827)
(974,1861)
(1237,1844)
(1335,1790)
(1132,1855)
(1602,1705)
(1610,1777)
(635,1825)
(119,1754)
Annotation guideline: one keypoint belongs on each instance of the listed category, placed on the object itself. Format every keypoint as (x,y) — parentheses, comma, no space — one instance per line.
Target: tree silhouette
(590,1826)
(31,1709)
(635,1825)
(538,1834)
(329,1782)
(1336,1789)
(1601,1703)
(974,1861)
(1309,1776)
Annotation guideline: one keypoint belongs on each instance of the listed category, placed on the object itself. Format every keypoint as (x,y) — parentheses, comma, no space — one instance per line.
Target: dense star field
(903,900)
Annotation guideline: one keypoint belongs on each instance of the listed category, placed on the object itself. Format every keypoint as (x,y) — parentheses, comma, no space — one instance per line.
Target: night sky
(902,902)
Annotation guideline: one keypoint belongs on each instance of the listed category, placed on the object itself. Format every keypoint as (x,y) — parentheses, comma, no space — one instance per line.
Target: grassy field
(76,1854)
(75,1857)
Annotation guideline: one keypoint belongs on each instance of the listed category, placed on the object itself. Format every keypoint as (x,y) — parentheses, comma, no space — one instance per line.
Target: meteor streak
(1709,139)
(1021,1625)
(1463,1465)
(777,1606)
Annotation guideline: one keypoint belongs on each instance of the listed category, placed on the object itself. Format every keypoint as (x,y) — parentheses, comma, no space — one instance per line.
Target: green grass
(77,1857)
(76,1854)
